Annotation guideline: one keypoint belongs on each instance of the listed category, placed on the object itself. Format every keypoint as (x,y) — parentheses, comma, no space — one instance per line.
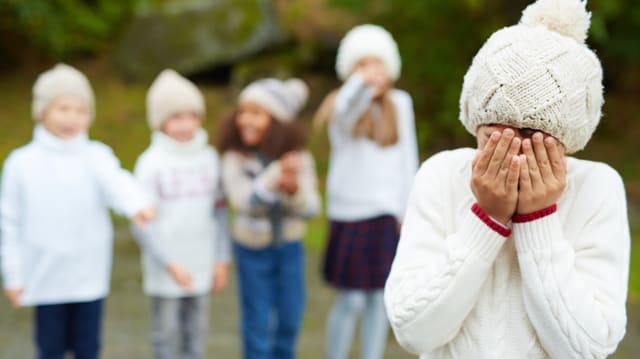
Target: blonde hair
(381,127)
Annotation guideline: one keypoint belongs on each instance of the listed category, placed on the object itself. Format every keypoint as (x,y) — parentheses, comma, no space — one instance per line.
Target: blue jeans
(73,327)
(179,326)
(342,320)
(272,296)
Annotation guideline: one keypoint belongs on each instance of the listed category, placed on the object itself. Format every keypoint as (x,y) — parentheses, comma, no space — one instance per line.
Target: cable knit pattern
(414,297)
(555,288)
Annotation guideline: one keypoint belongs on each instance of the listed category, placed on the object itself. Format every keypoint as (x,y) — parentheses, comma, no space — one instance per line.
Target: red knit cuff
(484,217)
(528,217)
(221,203)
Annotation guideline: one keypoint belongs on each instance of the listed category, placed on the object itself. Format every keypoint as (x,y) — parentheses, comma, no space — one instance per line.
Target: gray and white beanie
(282,99)
(538,74)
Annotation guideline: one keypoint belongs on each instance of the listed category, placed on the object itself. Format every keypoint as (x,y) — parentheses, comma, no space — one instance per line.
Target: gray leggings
(342,320)
(179,327)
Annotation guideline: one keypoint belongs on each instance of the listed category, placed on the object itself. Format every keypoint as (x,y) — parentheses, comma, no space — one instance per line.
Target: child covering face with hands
(514,250)
(513,174)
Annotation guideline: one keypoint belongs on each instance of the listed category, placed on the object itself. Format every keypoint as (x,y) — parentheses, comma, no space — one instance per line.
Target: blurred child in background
(186,249)
(271,183)
(54,214)
(374,157)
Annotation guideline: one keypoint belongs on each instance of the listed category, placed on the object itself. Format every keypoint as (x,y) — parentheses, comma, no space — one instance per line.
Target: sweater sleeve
(144,238)
(121,190)
(306,202)
(575,291)
(352,100)
(10,243)
(144,172)
(410,145)
(221,215)
(436,276)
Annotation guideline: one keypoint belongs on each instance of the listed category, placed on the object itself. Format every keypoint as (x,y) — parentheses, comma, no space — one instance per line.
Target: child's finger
(524,179)
(556,157)
(484,154)
(513,175)
(542,157)
(507,162)
(532,164)
(500,152)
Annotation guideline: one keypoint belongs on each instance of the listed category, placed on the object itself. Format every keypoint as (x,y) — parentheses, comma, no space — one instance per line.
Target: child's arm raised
(305,201)
(353,99)
(245,192)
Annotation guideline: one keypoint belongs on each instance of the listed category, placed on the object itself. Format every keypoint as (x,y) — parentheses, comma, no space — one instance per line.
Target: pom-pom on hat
(538,74)
(61,80)
(367,40)
(170,93)
(282,99)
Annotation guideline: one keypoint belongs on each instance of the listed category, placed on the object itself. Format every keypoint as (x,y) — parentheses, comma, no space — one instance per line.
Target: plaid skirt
(359,254)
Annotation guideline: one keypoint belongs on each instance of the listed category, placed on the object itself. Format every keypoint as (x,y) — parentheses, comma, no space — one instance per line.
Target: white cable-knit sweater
(555,288)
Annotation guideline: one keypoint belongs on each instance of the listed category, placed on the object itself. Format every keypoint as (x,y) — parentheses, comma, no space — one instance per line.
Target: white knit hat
(282,99)
(61,80)
(170,93)
(538,74)
(367,40)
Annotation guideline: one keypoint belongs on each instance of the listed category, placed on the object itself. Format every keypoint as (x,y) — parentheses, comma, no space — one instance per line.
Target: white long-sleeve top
(364,179)
(56,231)
(556,288)
(184,181)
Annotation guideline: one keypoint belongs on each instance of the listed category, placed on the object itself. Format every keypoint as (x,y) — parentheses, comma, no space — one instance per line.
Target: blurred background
(224,44)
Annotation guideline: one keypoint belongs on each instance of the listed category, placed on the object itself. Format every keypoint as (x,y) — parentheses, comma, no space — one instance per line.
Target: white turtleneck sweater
(184,181)
(364,179)
(555,288)
(56,230)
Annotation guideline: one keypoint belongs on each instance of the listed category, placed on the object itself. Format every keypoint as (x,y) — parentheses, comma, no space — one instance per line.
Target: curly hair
(280,138)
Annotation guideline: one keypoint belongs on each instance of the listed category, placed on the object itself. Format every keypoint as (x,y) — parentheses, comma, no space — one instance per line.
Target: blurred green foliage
(60,28)
(437,40)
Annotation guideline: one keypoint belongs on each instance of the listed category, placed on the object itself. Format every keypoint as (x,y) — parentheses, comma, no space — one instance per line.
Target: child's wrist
(532,216)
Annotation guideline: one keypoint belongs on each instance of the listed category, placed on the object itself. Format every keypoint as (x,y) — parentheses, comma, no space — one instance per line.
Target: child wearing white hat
(515,250)
(186,250)
(374,156)
(57,234)
(271,183)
